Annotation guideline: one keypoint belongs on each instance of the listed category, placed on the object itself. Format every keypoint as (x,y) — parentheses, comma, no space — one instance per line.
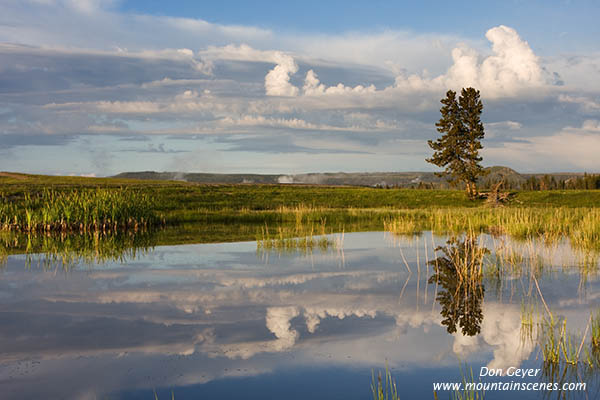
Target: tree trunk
(472,190)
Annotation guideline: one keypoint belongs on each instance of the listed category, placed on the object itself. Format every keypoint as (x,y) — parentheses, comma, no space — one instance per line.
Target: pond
(230,320)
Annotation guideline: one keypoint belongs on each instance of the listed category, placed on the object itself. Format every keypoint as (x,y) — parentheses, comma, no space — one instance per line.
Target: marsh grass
(304,237)
(569,349)
(528,323)
(466,258)
(384,388)
(41,203)
(595,331)
(470,260)
(401,225)
(551,341)
(78,211)
(563,358)
(3,255)
(588,262)
(580,225)
(562,350)
(468,380)
(509,257)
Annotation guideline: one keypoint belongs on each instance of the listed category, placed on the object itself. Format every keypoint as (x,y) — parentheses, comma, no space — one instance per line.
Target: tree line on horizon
(535,183)
(549,182)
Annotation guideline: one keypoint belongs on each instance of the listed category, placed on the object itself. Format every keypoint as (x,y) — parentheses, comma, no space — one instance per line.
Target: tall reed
(384,388)
(581,225)
(78,211)
(303,237)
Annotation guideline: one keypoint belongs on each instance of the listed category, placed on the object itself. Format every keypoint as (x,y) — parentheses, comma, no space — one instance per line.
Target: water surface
(223,320)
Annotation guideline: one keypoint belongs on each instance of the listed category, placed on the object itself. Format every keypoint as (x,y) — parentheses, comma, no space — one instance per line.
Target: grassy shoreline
(198,213)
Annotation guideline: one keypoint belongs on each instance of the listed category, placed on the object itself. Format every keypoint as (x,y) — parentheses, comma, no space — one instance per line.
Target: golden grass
(300,237)
(580,225)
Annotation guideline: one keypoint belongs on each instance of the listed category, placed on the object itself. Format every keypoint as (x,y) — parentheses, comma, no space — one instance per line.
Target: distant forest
(549,182)
(532,182)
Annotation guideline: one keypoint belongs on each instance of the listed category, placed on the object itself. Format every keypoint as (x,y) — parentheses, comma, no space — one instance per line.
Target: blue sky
(550,24)
(335,16)
(98,87)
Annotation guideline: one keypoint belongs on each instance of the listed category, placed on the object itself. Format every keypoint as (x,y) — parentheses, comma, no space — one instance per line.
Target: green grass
(558,198)
(595,332)
(528,322)
(188,202)
(562,349)
(77,210)
(384,388)
(300,237)
(198,213)
(183,199)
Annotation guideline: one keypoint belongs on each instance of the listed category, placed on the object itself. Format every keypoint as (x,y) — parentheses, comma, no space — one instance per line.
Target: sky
(98,87)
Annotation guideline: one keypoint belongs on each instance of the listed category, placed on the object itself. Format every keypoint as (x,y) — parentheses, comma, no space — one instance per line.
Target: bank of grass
(551,214)
(81,210)
(177,198)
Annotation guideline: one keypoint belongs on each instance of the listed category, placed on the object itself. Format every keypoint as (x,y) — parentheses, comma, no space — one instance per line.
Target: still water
(225,321)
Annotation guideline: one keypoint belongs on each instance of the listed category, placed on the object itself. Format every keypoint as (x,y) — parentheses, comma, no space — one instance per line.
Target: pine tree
(458,148)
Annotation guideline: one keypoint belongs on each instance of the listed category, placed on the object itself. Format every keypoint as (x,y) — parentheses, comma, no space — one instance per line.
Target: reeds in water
(401,225)
(528,324)
(469,390)
(580,225)
(595,332)
(301,237)
(3,255)
(562,348)
(384,388)
(78,211)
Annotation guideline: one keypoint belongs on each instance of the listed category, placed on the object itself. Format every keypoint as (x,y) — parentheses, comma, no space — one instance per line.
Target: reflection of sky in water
(221,318)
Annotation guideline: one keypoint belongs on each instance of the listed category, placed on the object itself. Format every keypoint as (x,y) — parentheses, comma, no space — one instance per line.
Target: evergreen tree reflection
(459,271)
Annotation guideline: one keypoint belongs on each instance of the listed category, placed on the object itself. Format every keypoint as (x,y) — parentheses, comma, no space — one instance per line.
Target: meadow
(181,199)
(211,213)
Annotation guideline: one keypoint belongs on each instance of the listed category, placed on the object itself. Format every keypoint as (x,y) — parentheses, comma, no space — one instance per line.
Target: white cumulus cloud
(277,81)
(313,87)
(512,68)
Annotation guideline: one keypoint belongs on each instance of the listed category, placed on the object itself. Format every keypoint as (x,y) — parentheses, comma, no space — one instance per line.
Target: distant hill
(383,179)
(496,174)
(512,178)
(200,177)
